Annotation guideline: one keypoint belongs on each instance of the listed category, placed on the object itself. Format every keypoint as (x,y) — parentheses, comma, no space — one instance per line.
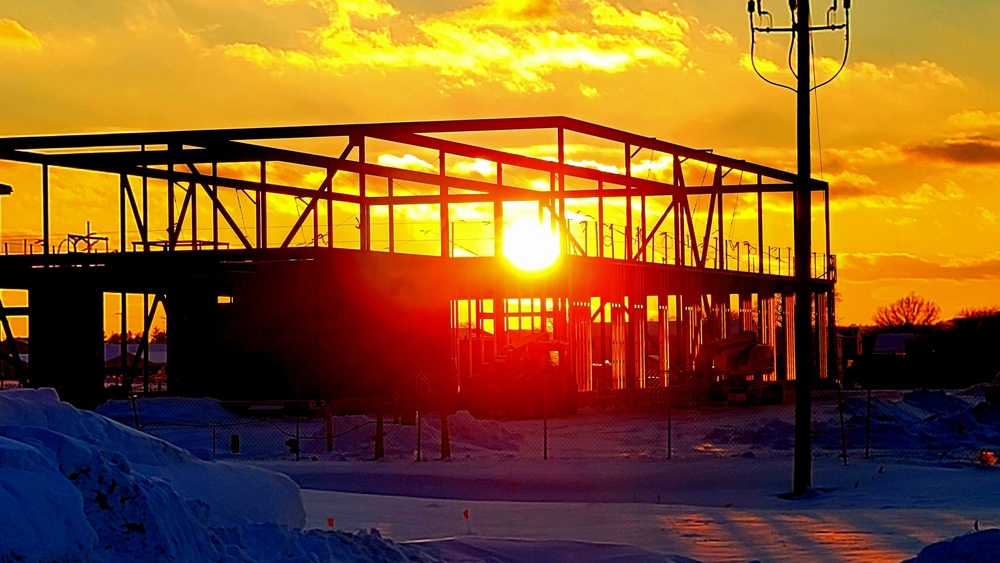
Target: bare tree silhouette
(907,313)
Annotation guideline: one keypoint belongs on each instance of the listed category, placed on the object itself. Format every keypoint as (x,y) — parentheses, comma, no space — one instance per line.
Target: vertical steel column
(170,198)
(145,340)
(215,208)
(145,207)
(392,217)
(821,335)
(194,216)
(760,226)
(122,247)
(663,337)
(580,344)
(329,214)
(683,336)
(720,243)
(559,204)
(600,221)
(628,201)
(498,220)
(45,209)
(364,216)
(262,207)
(725,311)
(802,481)
(618,375)
(637,325)
(121,213)
(833,350)
(788,322)
(746,311)
(123,343)
(447,248)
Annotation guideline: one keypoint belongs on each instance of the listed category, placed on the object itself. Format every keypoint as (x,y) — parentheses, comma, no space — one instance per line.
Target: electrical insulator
(847,4)
(750,7)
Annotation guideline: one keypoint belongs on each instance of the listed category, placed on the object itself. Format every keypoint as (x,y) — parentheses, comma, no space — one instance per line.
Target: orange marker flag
(329,522)
(465,514)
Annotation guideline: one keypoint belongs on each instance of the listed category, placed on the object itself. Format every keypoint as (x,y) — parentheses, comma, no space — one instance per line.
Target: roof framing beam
(202,138)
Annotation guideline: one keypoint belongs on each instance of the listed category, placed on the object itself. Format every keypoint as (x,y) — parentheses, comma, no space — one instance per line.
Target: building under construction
(390,273)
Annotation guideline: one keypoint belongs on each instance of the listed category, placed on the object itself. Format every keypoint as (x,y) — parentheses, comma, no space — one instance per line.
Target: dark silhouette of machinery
(733,370)
(528,378)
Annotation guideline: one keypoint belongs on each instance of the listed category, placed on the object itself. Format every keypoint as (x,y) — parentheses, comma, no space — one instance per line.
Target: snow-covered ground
(916,426)
(75,486)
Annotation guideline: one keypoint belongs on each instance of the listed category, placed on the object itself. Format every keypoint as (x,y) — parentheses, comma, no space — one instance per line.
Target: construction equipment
(529,378)
(733,370)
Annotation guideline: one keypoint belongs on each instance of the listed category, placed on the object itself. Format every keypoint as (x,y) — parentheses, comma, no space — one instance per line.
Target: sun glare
(530,246)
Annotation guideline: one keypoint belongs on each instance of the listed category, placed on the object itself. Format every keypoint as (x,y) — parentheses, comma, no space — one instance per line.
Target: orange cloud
(14,36)
(978,149)
(884,155)
(518,45)
(975,120)
(860,267)
(526,10)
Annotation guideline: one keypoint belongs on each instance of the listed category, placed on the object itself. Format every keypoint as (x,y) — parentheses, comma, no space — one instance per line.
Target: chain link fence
(900,426)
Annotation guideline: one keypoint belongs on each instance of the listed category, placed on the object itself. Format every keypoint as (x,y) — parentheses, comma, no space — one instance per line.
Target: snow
(75,486)
(979,547)
(607,493)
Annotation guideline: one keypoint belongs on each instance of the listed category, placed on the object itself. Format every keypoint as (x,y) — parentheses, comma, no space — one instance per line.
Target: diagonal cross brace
(220,208)
(327,185)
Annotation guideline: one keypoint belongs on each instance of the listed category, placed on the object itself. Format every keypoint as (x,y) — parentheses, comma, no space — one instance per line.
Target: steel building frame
(694,273)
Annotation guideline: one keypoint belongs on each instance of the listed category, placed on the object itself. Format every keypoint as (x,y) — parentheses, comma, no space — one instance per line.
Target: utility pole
(802,476)
(801,30)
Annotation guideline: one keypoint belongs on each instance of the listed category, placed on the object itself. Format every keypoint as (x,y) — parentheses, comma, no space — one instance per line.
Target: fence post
(843,431)
(670,425)
(135,409)
(445,438)
(868,426)
(214,431)
(418,433)
(545,415)
(298,439)
(379,434)
(329,428)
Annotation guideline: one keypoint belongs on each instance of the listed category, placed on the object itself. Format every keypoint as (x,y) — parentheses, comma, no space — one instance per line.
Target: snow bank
(75,486)
(920,425)
(168,410)
(978,547)
(221,486)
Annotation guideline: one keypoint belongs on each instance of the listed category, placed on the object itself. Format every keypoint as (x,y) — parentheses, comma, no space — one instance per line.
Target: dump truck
(528,378)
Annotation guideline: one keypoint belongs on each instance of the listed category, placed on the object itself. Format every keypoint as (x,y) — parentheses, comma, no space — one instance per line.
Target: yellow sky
(910,132)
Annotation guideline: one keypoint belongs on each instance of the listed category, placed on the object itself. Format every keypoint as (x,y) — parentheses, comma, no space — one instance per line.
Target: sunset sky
(910,131)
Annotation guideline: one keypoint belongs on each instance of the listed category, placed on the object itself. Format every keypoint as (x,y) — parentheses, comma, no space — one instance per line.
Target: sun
(529,246)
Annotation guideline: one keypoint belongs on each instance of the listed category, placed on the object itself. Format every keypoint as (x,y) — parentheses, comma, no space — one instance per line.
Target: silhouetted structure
(344,303)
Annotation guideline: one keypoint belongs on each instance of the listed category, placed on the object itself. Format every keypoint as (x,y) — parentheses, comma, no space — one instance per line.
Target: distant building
(892,343)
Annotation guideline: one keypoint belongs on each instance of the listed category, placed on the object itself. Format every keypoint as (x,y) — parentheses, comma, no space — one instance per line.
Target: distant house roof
(894,343)
(157,353)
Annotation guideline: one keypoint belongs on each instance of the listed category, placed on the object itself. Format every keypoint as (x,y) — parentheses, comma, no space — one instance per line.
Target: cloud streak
(862,267)
(15,37)
(976,150)
(518,45)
